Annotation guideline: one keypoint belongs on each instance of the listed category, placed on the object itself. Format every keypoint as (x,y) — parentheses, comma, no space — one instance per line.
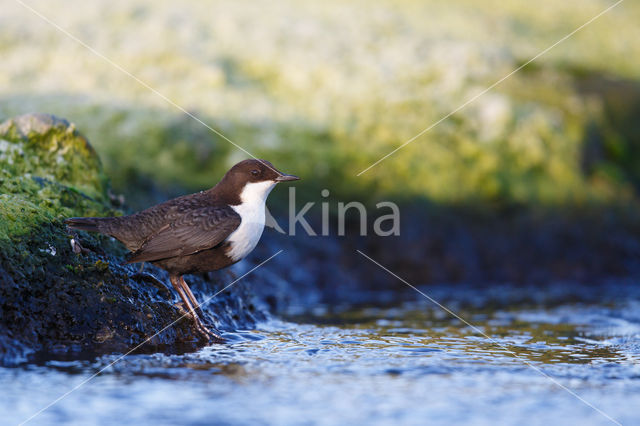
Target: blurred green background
(324,89)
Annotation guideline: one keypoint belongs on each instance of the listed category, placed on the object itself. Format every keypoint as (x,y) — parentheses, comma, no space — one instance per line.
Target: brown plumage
(191,233)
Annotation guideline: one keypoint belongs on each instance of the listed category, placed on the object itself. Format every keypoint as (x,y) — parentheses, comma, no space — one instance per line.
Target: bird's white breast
(252,214)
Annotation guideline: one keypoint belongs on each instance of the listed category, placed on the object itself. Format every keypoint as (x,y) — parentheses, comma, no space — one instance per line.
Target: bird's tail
(92,224)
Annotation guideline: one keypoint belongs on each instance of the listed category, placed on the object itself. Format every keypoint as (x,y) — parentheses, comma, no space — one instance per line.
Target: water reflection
(407,364)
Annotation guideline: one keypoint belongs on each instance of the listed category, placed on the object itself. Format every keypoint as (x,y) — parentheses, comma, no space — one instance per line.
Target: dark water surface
(407,364)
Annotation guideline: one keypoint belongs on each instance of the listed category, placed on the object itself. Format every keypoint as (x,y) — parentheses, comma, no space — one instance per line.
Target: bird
(201,232)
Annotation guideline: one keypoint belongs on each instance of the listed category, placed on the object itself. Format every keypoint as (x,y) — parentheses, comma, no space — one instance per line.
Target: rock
(51,296)
(51,148)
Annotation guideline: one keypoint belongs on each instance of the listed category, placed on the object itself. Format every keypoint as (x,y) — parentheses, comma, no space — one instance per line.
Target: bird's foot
(201,315)
(202,329)
(193,306)
(207,334)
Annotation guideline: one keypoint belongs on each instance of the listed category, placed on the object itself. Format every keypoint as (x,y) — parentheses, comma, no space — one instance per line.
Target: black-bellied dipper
(201,232)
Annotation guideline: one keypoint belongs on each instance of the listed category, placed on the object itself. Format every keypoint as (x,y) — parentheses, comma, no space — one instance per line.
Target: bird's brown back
(134,230)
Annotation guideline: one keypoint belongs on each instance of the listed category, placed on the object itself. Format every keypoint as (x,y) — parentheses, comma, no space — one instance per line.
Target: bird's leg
(176,285)
(200,327)
(192,298)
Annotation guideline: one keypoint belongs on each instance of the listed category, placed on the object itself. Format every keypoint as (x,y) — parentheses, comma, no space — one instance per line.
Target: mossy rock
(51,297)
(46,146)
(49,171)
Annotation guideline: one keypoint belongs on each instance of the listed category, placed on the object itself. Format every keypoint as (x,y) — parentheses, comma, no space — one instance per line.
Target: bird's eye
(255,172)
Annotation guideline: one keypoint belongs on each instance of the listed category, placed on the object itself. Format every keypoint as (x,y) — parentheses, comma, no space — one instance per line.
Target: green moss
(49,172)
(51,148)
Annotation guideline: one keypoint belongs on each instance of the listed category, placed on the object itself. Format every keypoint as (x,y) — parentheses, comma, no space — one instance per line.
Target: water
(408,364)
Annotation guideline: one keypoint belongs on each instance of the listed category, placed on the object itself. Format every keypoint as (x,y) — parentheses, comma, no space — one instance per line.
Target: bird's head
(254,179)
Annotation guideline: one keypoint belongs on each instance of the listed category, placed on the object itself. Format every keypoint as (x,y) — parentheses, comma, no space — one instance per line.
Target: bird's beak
(286,178)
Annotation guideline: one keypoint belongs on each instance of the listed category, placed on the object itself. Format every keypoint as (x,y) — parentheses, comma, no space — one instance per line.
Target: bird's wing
(189,233)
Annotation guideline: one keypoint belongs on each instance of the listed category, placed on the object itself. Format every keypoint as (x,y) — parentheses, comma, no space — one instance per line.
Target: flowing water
(565,356)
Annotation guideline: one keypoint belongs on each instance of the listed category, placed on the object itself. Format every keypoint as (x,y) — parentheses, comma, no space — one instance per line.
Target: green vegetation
(49,172)
(324,90)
